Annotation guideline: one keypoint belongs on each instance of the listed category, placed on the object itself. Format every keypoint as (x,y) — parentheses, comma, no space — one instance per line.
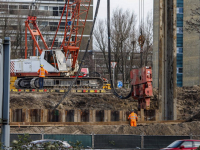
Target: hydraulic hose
(109,56)
(83,59)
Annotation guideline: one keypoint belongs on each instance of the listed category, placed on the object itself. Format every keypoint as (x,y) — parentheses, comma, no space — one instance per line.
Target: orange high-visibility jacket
(42,72)
(133,116)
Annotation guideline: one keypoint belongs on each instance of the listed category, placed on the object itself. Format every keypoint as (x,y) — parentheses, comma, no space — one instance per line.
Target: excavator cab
(56,59)
(50,57)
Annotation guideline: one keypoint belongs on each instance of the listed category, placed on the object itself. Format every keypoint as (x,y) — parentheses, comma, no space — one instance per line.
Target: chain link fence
(111,141)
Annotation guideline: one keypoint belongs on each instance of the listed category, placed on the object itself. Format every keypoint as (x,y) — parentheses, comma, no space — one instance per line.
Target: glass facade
(179,43)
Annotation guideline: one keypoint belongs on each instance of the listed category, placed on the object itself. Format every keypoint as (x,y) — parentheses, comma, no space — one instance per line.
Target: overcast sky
(132,5)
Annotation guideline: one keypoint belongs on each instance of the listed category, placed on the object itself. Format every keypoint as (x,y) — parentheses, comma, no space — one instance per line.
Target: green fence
(110,141)
(86,140)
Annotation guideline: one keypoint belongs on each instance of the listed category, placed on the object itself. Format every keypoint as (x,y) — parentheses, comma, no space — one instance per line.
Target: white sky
(132,5)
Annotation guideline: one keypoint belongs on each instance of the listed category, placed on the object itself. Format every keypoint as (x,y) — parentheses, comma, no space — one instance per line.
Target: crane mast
(75,13)
(75,25)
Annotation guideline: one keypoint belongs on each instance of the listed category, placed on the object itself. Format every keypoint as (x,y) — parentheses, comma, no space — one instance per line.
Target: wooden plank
(91,116)
(11,115)
(29,115)
(142,114)
(120,115)
(62,115)
(24,115)
(90,123)
(45,111)
(42,115)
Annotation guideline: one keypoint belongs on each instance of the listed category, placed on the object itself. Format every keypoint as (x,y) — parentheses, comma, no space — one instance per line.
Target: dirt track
(150,129)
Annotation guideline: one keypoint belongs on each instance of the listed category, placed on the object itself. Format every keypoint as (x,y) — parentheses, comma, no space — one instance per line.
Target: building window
(180,50)
(180,70)
(180,30)
(23,6)
(55,10)
(13,6)
(43,23)
(180,10)
(43,7)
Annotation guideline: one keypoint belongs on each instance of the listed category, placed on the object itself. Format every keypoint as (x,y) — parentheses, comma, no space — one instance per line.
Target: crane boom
(74,27)
(34,32)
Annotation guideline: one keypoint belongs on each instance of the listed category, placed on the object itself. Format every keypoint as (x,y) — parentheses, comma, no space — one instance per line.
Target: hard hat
(41,65)
(132,110)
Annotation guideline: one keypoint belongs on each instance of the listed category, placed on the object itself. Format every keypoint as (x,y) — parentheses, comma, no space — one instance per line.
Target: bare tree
(148,34)
(101,44)
(193,24)
(122,37)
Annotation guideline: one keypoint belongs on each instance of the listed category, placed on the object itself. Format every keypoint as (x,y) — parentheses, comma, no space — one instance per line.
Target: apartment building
(15,12)
(188,46)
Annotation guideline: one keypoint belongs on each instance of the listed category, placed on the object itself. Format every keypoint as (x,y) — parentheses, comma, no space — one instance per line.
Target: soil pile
(72,101)
(188,103)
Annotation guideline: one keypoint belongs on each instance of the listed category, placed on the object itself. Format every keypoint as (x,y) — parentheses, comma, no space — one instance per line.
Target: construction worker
(41,73)
(133,118)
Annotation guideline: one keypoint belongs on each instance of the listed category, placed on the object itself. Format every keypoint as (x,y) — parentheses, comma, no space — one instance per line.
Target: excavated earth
(188,108)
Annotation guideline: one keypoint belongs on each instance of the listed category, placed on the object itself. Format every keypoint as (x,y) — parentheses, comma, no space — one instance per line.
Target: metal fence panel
(116,141)
(161,141)
(86,140)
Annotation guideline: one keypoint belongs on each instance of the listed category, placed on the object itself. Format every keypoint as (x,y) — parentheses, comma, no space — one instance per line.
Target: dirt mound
(188,102)
(73,101)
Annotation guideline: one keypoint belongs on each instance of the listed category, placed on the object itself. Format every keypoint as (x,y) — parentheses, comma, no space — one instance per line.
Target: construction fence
(111,141)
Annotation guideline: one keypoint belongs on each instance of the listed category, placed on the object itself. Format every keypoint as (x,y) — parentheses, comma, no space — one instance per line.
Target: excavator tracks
(57,82)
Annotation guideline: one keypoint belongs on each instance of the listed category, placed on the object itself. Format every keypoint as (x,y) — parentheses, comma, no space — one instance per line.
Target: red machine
(142,86)
(73,33)
(34,32)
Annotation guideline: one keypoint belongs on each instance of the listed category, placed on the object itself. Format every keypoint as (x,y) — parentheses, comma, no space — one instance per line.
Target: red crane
(75,25)
(75,12)
(34,32)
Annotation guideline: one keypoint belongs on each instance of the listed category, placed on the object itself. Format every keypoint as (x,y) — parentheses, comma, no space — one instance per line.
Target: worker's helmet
(132,110)
(41,65)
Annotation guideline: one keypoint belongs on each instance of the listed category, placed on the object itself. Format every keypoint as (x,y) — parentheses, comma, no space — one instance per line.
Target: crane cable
(83,58)
(109,57)
(141,15)
(141,38)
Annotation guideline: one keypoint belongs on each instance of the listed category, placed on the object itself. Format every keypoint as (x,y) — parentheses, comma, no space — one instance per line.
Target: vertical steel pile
(167,60)
(5,90)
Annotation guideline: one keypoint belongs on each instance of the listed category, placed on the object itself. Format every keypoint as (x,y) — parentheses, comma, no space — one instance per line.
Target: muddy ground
(188,108)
